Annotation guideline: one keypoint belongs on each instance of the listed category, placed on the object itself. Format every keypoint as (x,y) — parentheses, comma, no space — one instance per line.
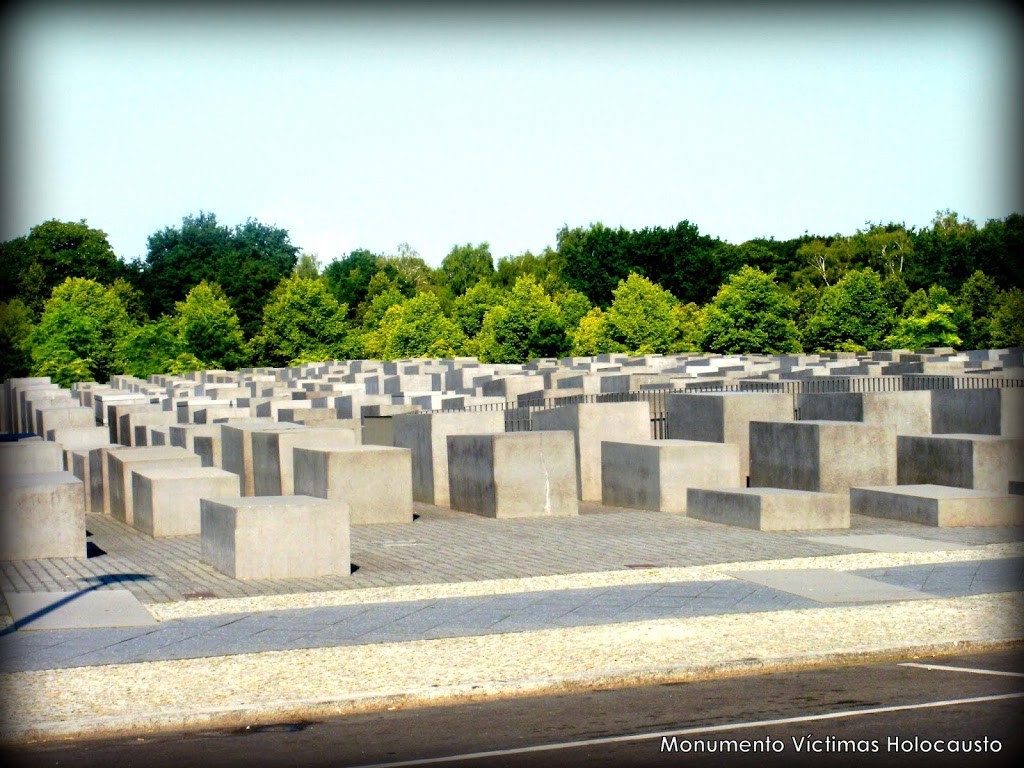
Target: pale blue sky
(445,126)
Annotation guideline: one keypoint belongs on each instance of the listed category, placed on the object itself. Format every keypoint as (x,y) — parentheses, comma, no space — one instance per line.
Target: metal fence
(519,414)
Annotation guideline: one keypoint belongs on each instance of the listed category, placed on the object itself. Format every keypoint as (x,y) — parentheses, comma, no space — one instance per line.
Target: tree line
(209,296)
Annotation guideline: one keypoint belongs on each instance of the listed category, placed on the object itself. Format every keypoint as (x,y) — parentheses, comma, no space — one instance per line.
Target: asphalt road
(909,714)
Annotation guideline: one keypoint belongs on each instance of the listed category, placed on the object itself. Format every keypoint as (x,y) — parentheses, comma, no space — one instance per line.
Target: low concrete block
(275,537)
(30,456)
(770,509)
(120,465)
(592,423)
(520,474)
(938,505)
(272,455)
(42,515)
(996,411)
(166,499)
(374,482)
(822,456)
(982,462)
(907,412)
(655,474)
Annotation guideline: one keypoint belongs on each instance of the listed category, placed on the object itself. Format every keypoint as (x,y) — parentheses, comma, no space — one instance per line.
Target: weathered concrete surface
(272,457)
(938,505)
(119,468)
(655,474)
(166,498)
(42,515)
(521,474)
(770,509)
(374,482)
(276,537)
(982,462)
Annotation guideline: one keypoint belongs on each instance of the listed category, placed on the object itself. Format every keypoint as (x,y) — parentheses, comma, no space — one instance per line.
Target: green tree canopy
(470,308)
(852,314)
(15,326)
(76,337)
(416,328)
(349,278)
(512,330)
(750,314)
(247,261)
(31,267)
(1007,327)
(935,328)
(302,322)
(466,265)
(208,327)
(151,347)
(641,319)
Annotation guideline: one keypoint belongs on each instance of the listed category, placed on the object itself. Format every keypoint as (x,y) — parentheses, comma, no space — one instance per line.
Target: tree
(302,322)
(591,335)
(465,265)
(470,308)
(572,307)
(978,296)
(308,266)
(152,347)
(208,327)
(511,330)
(247,262)
(349,278)
(945,252)
(31,267)
(641,319)
(934,329)
(76,337)
(1007,327)
(15,326)
(750,314)
(416,328)
(852,314)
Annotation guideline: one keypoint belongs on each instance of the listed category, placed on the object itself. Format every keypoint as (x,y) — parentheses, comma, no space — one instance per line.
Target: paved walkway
(142,635)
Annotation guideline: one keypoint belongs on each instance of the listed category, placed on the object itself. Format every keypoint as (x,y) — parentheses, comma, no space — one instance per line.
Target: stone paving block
(42,515)
(425,435)
(938,505)
(166,498)
(825,456)
(520,474)
(724,417)
(770,509)
(826,586)
(655,474)
(272,455)
(119,468)
(273,537)
(592,423)
(373,482)
(982,462)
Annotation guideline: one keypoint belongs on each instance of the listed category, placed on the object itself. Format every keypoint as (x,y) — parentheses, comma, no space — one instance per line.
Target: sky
(367,128)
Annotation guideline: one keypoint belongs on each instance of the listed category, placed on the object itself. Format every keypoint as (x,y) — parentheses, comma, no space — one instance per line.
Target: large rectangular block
(982,462)
(374,482)
(655,474)
(592,423)
(120,465)
(42,515)
(724,417)
(273,460)
(426,436)
(825,456)
(60,415)
(236,448)
(166,499)
(907,412)
(938,505)
(204,440)
(520,474)
(275,537)
(770,509)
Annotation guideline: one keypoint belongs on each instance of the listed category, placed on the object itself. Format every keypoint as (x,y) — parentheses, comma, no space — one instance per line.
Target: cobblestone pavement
(403,621)
(444,546)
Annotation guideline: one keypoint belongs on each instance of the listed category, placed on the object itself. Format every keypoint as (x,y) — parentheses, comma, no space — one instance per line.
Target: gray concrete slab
(889,542)
(824,586)
(77,610)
